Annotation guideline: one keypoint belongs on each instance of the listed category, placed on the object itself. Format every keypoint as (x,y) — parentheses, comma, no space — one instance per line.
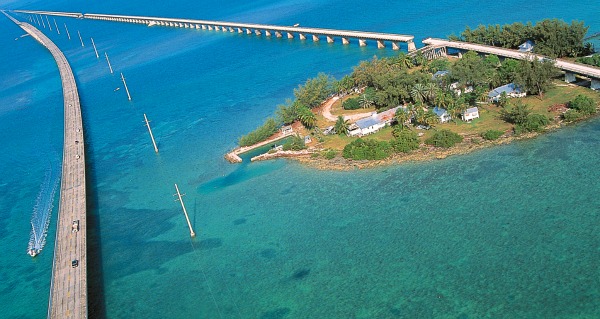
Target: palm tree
(404,61)
(365,101)
(420,115)
(430,91)
(430,118)
(341,125)
(402,116)
(418,93)
(307,117)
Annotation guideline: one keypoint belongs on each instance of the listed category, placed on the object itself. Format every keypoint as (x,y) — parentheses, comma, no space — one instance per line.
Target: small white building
(470,114)
(287,129)
(373,123)
(511,90)
(458,90)
(442,114)
(526,46)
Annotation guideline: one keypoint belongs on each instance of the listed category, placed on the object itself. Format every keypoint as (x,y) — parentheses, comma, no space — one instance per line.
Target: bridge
(570,68)
(68,292)
(249,28)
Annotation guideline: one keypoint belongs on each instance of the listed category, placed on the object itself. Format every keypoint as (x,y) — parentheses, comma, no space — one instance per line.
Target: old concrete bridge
(249,28)
(436,47)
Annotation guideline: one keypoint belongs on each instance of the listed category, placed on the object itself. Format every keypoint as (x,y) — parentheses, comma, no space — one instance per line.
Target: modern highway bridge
(249,28)
(68,292)
(570,68)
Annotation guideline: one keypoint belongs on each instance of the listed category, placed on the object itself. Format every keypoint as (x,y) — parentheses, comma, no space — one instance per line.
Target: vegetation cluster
(552,37)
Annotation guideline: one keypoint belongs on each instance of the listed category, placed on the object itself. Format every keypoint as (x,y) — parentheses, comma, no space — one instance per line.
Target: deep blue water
(509,232)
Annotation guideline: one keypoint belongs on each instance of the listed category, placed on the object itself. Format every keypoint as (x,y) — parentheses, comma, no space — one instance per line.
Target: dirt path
(330,117)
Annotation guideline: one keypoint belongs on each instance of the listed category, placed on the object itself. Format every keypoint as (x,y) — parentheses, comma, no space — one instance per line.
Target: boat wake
(40,219)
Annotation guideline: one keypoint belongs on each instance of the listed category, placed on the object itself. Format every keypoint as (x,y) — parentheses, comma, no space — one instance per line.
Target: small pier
(68,291)
(234,156)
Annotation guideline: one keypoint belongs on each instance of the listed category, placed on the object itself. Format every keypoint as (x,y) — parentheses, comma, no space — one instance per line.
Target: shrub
(260,134)
(585,105)
(572,115)
(330,154)
(351,104)
(444,138)
(491,135)
(405,141)
(295,143)
(367,149)
(533,123)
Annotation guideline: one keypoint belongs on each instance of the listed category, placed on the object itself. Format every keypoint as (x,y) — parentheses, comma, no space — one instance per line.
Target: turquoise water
(509,232)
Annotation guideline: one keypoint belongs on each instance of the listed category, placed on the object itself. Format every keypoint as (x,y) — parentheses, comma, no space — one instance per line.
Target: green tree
(366,101)
(470,70)
(344,85)
(286,113)
(314,91)
(260,134)
(536,76)
(516,114)
(404,140)
(402,116)
(418,93)
(491,135)
(403,61)
(295,143)
(341,125)
(306,117)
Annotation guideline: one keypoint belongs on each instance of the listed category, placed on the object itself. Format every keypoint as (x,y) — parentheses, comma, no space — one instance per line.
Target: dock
(234,156)
(68,291)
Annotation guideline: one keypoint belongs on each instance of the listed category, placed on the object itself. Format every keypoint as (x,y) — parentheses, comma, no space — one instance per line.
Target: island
(431,104)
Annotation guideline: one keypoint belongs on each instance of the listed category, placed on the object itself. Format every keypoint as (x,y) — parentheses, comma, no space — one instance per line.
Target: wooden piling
(125,84)
(108,61)
(94,45)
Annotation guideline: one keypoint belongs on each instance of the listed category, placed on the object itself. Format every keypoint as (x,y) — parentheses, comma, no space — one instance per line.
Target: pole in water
(108,61)
(68,35)
(94,45)
(126,89)
(150,131)
(80,39)
(48,20)
(56,25)
(43,24)
(185,212)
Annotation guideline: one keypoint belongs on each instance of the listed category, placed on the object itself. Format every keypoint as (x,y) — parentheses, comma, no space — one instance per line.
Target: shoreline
(425,153)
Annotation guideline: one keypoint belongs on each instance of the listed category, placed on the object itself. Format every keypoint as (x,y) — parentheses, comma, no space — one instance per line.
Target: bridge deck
(564,65)
(304,30)
(68,292)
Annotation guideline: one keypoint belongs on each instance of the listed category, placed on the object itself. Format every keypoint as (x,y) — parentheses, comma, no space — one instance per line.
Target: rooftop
(508,88)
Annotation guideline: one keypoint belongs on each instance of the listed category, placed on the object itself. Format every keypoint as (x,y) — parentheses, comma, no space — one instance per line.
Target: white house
(373,123)
(511,90)
(527,46)
(442,114)
(470,114)
(456,88)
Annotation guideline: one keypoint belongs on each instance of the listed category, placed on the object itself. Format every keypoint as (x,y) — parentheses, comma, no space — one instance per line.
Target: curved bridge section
(68,292)
(250,28)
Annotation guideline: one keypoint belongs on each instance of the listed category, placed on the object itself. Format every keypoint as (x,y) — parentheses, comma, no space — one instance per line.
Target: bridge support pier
(315,38)
(380,44)
(203,27)
(329,39)
(278,34)
(240,30)
(595,84)
(345,41)
(411,46)
(362,43)
(268,33)
(210,27)
(248,31)
(302,36)
(395,46)
(570,77)
(257,32)
(290,35)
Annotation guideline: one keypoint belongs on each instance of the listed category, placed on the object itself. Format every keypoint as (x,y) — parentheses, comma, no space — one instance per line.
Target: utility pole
(150,131)
(108,61)
(49,26)
(185,211)
(126,89)
(56,25)
(80,39)
(94,45)
(68,35)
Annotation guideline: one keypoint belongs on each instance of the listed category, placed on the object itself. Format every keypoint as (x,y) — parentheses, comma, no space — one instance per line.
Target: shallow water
(508,232)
